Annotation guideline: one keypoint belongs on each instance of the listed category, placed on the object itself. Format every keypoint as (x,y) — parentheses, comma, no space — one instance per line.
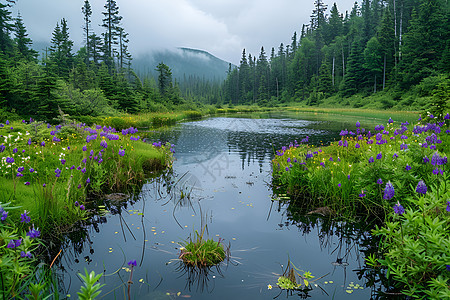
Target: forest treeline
(96,80)
(380,45)
(394,45)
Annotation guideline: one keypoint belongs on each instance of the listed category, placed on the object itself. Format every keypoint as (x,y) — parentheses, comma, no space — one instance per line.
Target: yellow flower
(269,287)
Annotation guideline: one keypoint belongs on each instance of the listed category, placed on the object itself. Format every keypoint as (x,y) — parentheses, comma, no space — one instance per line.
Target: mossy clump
(201,253)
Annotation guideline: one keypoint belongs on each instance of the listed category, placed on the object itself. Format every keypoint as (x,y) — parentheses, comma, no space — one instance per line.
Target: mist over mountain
(183,62)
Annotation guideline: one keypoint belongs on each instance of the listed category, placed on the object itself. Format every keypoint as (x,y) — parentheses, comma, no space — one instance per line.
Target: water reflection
(220,179)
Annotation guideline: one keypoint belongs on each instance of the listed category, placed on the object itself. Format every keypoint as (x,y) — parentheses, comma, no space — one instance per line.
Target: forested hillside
(393,45)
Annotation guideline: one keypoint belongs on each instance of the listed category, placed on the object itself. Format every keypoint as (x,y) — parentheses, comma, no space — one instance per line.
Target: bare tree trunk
(395,34)
(343,62)
(332,76)
(384,72)
(375,85)
(400,34)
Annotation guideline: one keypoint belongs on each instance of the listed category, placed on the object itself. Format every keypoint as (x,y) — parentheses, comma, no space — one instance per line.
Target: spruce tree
(87,13)
(23,42)
(111,24)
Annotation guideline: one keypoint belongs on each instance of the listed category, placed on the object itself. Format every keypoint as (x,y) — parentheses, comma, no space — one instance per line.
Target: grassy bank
(396,172)
(52,171)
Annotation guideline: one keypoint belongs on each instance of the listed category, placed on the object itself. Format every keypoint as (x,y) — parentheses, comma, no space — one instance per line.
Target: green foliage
(416,245)
(16,268)
(199,252)
(91,288)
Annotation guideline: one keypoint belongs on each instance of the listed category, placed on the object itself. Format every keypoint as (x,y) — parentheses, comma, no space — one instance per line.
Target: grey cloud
(221,27)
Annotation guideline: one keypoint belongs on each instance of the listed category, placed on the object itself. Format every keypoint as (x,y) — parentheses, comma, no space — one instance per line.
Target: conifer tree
(87,13)
(23,42)
(111,24)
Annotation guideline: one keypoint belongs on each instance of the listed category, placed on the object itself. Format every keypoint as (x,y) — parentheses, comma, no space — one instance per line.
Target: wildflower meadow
(395,173)
(50,177)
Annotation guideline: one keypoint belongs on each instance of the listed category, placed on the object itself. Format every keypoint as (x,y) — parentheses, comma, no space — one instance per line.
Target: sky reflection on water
(224,165)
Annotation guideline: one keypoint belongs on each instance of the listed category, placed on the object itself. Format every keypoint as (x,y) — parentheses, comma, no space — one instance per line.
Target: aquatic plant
(91,288)
(200,252)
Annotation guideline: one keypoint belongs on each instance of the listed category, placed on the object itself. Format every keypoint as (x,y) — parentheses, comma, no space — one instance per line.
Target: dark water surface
(221,174)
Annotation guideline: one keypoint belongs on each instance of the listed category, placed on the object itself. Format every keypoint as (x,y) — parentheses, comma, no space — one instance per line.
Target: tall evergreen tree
(423,46)
(5,28)
(23,42)
(111,24)
(87,13)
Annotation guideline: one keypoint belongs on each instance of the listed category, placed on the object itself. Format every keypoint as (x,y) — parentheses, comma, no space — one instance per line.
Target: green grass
(202,253)
(50,199)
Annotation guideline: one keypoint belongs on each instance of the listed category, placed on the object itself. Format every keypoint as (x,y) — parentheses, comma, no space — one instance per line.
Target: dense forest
(381,45)
(96,80)
(391,47)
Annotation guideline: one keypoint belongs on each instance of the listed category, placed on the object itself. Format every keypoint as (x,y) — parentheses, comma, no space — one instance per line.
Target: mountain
(183,62)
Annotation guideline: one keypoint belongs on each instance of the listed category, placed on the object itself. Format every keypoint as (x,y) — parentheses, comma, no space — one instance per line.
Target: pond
(221,178)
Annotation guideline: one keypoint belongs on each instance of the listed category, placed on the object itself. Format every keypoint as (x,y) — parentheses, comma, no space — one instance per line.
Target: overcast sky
(221,27)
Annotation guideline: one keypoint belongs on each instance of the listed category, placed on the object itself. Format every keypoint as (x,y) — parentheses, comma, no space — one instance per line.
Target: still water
(221,178)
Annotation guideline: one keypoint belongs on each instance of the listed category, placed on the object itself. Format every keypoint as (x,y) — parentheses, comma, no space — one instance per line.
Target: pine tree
(5,28)
(423,46)
(164,78)
(318,15)
(111,23)
(23,42)
(334,24)
(61,50)
(87,13)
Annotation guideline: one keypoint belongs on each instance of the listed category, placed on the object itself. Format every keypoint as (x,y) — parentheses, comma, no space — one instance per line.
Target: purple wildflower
(104,144)
(132,263)
(448,206)
(83,170)
(362,194)
(27,183)
(390,121)
(43,144)
(88,180)
(379,155)
(63,161)
(84,148)
(357,145)
(24,218)
(371,160)
(358,124)
(408,167)
(389,191)
(398,209)
(27,254)
(34,233)
(426,159)
(421,188)
(9,160)
(122,152)
(4,215)
(380,181)
(57,172)
(82,207)
(339,184)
